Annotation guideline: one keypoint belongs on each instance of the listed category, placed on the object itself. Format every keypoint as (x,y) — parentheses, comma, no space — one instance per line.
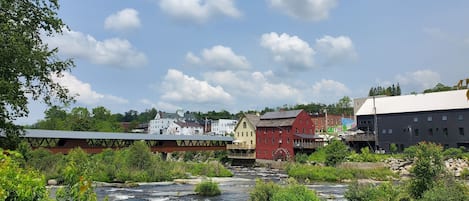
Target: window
(384,131)
(444,117)
(251,141)
(237,133)
(390,131)
(288,140)
(460,117)
(416,119)
(445,131)
(251,133)
(461,131)
(244,125)
(429,118)
(296,130)
(430,131)
(416,132)
(242,134)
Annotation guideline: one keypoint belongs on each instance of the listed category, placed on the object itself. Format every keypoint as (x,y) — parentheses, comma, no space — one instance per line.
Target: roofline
(59,134)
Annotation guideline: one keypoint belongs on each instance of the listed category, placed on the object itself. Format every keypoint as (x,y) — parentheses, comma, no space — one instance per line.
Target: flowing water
(235,188)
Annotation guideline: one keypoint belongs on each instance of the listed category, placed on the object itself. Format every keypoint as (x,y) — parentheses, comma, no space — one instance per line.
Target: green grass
(333,174)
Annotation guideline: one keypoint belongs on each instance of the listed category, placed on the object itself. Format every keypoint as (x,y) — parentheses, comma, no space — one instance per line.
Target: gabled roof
(448,100)
(253,119)
(275,122)
(281,114)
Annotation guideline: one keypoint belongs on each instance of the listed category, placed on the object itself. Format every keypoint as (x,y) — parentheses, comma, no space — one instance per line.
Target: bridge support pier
(164,156)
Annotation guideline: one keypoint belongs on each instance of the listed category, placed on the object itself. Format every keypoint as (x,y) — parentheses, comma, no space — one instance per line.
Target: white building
(185,128)
(223,126)
(162,121)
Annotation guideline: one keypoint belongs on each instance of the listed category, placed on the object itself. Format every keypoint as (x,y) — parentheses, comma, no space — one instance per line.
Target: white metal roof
(448,100)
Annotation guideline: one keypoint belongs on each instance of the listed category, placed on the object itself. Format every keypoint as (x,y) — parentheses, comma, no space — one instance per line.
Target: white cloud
(255,87)
(310,10)
(327,90)
(124,20)
(181,88)
(419,80)
(114,52)
(199,11)
(165,106)
(337,50)
(295,53)
(191,58)
(219,57)
(83,91)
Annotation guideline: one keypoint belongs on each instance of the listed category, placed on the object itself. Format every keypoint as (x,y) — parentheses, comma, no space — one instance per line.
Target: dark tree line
(393,90)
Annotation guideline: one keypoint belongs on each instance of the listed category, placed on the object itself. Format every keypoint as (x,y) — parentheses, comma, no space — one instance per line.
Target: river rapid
(234,188)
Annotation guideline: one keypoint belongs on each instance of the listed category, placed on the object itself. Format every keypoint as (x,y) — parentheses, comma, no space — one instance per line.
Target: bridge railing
(308,145)
(360,137)
(240,146)
(242,155)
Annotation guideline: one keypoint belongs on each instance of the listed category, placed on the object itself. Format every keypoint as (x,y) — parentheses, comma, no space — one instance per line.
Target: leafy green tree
(17,183)
(27,65)
(140,156)
(80,119)
(336,152)
(427,168)
(55,119)
(101,113)
(439,87)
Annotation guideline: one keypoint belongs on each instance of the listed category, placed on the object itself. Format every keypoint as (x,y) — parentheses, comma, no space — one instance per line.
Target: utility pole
(375,124)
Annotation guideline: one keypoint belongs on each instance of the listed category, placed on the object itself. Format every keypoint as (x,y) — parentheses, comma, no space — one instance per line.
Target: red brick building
(280,134)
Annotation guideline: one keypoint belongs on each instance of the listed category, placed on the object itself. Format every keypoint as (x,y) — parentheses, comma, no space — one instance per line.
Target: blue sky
(202,55)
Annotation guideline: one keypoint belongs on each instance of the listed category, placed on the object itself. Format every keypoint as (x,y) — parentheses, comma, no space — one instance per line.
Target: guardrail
(242,155)
(240,146)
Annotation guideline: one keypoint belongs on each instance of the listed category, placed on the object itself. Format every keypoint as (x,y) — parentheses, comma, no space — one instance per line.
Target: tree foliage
(27,65)
(393,90)
(17,183)
(336,152)
(428,167)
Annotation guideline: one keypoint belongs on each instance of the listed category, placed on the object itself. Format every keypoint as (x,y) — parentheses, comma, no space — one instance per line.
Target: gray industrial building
(440,117)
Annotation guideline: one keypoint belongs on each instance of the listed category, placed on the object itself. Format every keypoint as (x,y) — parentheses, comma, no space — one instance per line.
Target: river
(235,188)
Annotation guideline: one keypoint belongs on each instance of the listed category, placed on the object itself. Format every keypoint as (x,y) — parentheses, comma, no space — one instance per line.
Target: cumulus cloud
(310,10)
(219,57)
(83,91)
(256,86)
(292,51)
(337,50)
(181,88)
(327,90)
(418,80)
(124,20)
(199,11)
(114,52)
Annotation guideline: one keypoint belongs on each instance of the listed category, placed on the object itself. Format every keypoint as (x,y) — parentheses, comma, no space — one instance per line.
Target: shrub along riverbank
(135,163)
(309,173)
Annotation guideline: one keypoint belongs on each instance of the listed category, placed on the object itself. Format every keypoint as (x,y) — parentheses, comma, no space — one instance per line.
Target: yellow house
(244,144)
